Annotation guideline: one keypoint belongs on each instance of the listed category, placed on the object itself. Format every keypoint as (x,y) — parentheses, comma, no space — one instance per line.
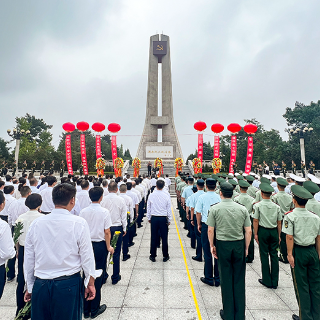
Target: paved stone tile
(180,297)
(146,277)
(176,278)
(113,295)
(141,314)
(180,314)
(288,296)
(271,315)
(144,297)
(7,312)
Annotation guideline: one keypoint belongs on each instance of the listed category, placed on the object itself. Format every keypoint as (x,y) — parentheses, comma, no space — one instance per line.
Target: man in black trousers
(57,247)
(99,222)
(159,215)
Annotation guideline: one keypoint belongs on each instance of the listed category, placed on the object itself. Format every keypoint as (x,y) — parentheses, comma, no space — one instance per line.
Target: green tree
(4,150)
(307,115)
(37,145)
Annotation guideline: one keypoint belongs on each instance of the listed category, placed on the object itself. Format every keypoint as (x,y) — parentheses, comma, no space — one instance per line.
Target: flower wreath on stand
(100,166)
(216,165)
(178,164)
(136,164)
(118,165)
(197,165)
(158,163)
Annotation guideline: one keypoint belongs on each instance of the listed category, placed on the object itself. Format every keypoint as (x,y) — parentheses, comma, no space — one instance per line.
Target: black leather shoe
(125,258)
(153,259)
(249,261)
(101,309)
(260,281)
(165,259)
(86,316)
(217,283)
(114,282)
(222,314)
(274,287)
(140,226)
(10,279)
(206,281)
(131,244)
(295,317)
(197,258)
(193,247)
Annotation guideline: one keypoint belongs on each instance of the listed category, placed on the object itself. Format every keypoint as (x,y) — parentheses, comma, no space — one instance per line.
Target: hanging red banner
(68,154)
(233,155)
(200,148)
(83,154)
(249,155)
(114,148)
(98,146)
(216,147)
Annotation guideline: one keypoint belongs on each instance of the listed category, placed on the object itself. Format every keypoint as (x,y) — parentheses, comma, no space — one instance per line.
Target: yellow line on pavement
(186,264)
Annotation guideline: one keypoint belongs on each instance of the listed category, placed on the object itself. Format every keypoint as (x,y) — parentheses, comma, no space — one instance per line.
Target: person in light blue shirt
(192,204)
(191,233)
(202,208)
(187,192)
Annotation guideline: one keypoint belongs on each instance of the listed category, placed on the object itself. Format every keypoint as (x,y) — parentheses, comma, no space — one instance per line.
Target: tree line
(269,146)
(37,146)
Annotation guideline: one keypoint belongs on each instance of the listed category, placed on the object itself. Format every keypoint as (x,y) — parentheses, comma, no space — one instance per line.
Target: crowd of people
(60,235)
(224,214)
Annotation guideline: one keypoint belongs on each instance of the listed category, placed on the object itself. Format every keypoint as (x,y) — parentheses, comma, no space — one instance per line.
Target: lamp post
(16,134)
(301,129)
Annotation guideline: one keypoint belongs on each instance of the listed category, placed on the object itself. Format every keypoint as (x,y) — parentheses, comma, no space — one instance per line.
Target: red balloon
(217,128)
(200,126)
(234,127)
(98,126)
(114,127)
(250,128)
(82,126)
(68,126)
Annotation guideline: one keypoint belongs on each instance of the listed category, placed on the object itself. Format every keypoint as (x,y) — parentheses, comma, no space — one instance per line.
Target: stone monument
(150,147)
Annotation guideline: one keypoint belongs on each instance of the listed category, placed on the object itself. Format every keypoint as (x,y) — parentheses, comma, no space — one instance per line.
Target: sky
(71,61)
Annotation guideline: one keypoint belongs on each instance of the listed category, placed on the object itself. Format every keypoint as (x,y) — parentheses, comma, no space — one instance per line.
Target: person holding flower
(99,222)
(118,211)
(57,247)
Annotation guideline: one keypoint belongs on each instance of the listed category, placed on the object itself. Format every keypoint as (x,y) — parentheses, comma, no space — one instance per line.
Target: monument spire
(149,147)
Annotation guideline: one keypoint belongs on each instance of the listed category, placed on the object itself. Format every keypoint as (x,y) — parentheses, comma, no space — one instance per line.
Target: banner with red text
(114,148)
(233,155)
(68,154)
(83,154)
(249,155)
(98,146)
(200,149)
(216,147)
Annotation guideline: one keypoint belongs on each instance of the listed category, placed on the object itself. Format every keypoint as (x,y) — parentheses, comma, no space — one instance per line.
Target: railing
(126,166)
(190,167)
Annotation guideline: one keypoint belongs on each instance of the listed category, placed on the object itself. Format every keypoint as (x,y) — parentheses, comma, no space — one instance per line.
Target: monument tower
(159,113)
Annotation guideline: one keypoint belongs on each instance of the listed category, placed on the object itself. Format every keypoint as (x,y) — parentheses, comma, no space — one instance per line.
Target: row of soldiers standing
(277,169)
(222,229)
(5,167)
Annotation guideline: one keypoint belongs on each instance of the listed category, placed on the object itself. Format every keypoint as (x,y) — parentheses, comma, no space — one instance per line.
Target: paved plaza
(162,291)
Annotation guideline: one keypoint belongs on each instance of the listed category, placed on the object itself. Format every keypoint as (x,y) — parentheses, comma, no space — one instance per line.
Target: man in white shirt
(57,247)
(153,182)
(142,202)
(118,212)
(135,202)
(33,185)
(6,244)
(129,203)
(8,180)
(83,195)
(105,187)
(33,202)
(168,181)
(46,194)
(16,209)
(8,194)
(99,222)
(159,215)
